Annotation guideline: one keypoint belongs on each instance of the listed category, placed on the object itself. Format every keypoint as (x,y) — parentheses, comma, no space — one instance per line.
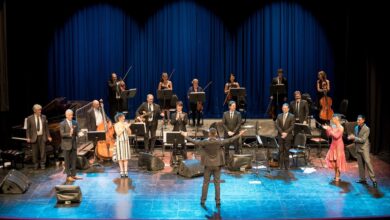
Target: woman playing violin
(165,84)
(231,84)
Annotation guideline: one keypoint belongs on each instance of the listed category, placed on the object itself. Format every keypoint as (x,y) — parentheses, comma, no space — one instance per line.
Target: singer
(122,149)
(179,121)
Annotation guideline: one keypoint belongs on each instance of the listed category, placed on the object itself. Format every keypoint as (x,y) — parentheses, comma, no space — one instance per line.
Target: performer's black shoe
(361,181)
(375,184)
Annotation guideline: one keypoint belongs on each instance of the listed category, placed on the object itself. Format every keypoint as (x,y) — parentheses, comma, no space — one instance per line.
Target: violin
(122,84)
(199,105)
(105,148)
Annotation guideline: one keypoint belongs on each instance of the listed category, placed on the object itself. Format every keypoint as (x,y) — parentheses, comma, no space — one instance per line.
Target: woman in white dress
(123,151)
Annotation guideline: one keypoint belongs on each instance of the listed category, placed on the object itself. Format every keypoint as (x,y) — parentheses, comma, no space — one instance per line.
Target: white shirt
(284,118)
(98,116)
(231,114)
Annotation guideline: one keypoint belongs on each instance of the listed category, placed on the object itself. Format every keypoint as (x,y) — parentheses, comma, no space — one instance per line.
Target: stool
(13,156)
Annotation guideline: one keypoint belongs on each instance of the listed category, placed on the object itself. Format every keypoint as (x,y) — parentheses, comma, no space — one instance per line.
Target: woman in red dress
(335,158)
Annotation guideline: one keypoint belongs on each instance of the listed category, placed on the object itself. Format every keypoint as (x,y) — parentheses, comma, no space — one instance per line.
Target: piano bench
(13,156)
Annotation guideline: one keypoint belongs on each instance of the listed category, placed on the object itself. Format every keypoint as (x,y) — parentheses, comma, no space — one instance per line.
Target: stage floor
(304,192)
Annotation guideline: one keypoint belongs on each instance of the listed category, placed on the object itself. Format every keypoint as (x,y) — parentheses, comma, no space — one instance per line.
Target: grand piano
(54,112)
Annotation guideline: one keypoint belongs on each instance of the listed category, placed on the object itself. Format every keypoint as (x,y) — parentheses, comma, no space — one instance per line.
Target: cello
(326,112)
(105,148)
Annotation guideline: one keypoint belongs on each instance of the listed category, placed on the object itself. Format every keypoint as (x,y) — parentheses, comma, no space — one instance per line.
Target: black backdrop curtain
(356,32)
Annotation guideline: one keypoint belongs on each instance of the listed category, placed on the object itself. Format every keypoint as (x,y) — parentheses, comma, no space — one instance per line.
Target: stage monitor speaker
(68,194)
(15,182)
(82,162)
(151,162)
(240,162)
(190,168)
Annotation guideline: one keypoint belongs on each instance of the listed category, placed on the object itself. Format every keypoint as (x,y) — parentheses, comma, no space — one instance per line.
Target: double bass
(105,148)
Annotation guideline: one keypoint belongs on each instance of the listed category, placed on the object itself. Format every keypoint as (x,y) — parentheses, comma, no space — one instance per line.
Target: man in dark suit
(212,159)
(299,108)
(362,149)
(279,98)
(69,130)
(151,121)
(37,134)
(179,120)
(284,125)
(94,116)
(231,123)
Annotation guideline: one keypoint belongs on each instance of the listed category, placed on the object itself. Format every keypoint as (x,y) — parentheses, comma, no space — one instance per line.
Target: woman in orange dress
(335,158)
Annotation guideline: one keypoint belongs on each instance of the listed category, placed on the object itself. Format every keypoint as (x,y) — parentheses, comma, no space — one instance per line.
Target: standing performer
(149,113)
(335,158)
(212,159)
(231,125)
(37,133)
(231,84)
(299,108)
(123,151)
(117,102)
(284,124)
(196,108)
(362,149)
(279,98)
(69,130)
(165,84)
(179,121)
(324,102)
(94,116)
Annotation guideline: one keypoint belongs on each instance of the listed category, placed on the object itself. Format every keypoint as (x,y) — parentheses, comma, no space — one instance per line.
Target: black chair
(299,149)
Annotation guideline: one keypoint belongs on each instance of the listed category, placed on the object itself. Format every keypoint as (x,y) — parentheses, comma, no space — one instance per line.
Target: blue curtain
(189,38)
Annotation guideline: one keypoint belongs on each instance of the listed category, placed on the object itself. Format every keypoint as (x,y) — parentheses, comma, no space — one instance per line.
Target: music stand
(138,129)
(196,97)
(128,94)
(267,142)
(301,128)
(239,93)
(164,95)
(278,89)
(96,136)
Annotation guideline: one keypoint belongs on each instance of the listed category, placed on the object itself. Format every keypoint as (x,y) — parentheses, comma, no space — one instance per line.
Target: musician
(213,160)
(280,98)
(151,121)
(284,125)
(323,84)
(362,150)
(123,151)
(179,121)
(69,130)
(165,84)
(117,102)
(231,84)
(94,116)
(37,134)
(195,107)
(231,123)
(300,108)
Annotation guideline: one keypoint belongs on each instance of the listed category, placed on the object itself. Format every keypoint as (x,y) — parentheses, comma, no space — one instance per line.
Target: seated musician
(179,121)
(231,84)
(165,84)
(194,106)
(279,98)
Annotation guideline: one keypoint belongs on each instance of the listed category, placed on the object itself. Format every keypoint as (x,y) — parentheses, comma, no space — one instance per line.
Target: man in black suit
(299,108)
(279,98)
(231,123)
(179,120)
(212,159)
(37,134)
(94,116)
(284,125)
(69,130)
(151,121)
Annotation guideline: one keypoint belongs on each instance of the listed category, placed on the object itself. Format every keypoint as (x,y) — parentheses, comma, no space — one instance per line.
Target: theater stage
(303,192)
